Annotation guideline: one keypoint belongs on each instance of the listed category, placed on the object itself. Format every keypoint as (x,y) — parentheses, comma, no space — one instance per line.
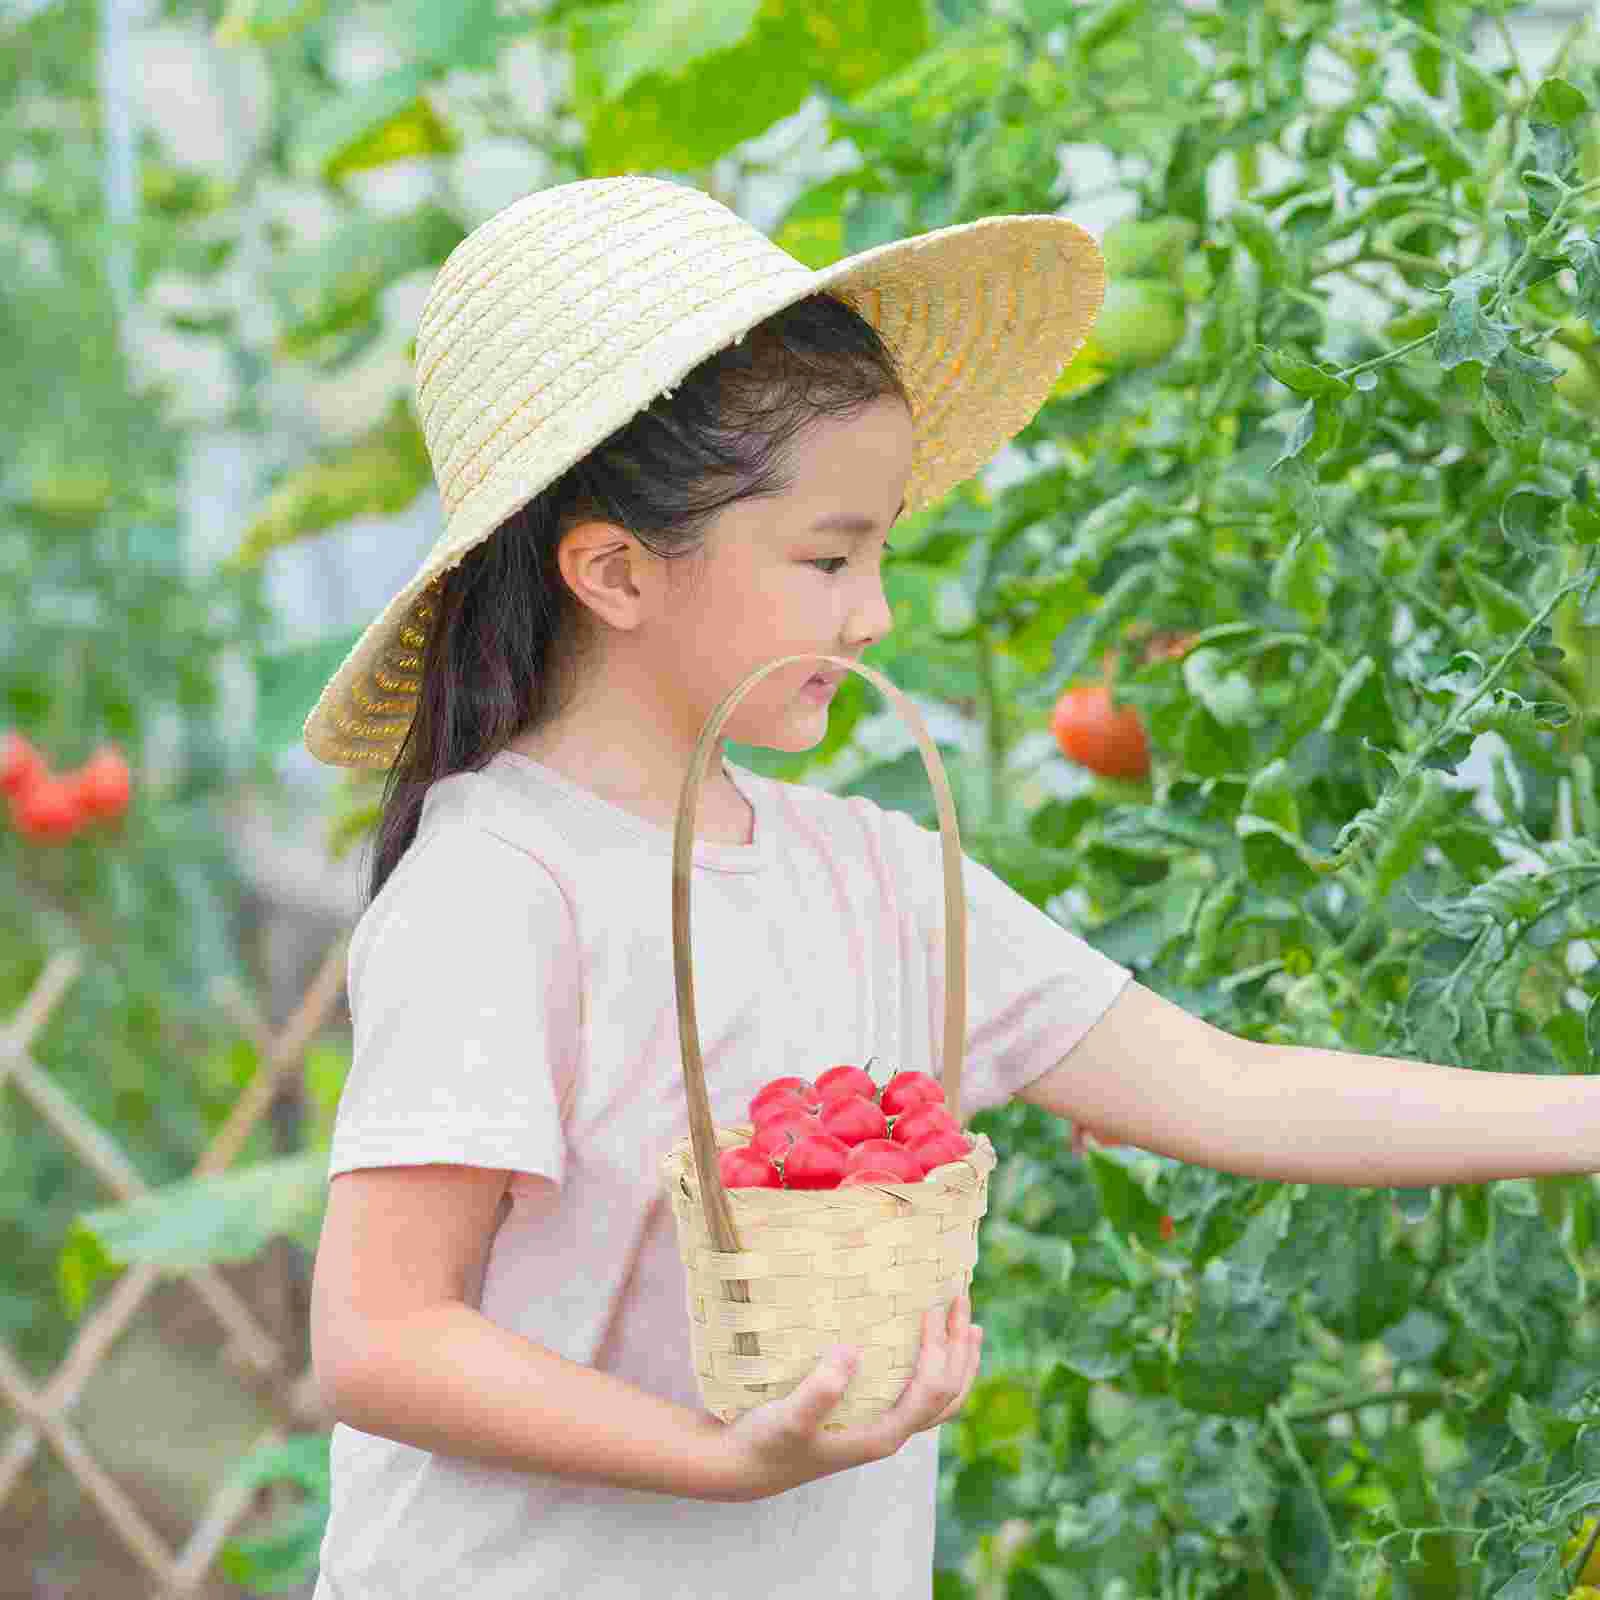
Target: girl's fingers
(973,1342)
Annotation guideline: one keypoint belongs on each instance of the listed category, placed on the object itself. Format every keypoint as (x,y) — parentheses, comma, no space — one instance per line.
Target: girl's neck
(723,815)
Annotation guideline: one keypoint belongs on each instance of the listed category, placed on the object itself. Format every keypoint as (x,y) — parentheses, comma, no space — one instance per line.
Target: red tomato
(1104,739)
(780,1130)
(783,1090)
(879,1155)
(21,766)
(743,1168)
(939,1148)
(842,1080)
(853,1118)
(871,1175)
(907,1089)
(47,812)
(103,783)
(1168,1227)
(787,1104)
(817,1162)
(920,1121)
(862,1153)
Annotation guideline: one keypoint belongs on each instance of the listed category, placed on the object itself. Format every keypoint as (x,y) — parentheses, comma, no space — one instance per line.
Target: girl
(669,453)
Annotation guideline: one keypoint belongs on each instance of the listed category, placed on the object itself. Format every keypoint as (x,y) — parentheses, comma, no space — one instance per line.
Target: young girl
(668,454)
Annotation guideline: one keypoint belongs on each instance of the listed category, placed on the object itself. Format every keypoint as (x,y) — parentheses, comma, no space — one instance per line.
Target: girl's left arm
(1151,1075)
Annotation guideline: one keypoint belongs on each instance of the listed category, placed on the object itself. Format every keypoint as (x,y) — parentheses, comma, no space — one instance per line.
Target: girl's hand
(781,1444)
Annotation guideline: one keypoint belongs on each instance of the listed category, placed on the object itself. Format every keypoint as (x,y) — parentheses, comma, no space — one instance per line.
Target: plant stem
(1286,1437)
(1379,1397)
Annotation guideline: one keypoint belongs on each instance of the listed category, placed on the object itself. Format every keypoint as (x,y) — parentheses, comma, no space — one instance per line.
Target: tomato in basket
(881,1155)
(744,1168)
(920,1121)
(907,1089)
(853,1118)
(784,1093)
(861,1155)
(843,1080)
(938,1148)
(778,1132)
(816,1162)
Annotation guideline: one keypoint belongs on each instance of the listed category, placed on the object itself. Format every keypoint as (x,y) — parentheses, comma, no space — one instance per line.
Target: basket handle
(714,1197)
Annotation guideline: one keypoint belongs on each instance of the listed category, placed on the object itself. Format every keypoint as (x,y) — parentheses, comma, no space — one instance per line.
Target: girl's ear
(611,573)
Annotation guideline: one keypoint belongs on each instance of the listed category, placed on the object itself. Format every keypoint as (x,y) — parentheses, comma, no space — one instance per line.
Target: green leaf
(1504,611)
(668,36)
(1358,1284)
(325,290)
(1465,333)
(687,117)
(1518,393)
(379,474)
(1558,101)
(1271,794)
(468,34)
(1255,233)
(1126,1205)
(1404,838)
(1584,255)
(1414,123)
(1299,573)
(1482,99)
(1276,860)
(1230,697)
(1527,518)
(1237,1345)
(228,1217)
(344,125)
(1212,749)
(1318,427)
(1304,377)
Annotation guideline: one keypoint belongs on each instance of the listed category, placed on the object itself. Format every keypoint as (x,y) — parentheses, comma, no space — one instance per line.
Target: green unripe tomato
(1140,323)
(1152,247)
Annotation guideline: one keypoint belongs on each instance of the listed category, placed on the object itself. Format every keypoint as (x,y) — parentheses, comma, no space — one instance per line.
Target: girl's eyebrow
(846,522)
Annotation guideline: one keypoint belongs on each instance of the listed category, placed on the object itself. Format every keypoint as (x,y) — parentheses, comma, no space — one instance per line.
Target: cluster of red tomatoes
(839,1131)
(50,807)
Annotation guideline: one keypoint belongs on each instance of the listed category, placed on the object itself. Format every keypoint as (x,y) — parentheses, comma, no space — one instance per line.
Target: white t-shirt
(521,952)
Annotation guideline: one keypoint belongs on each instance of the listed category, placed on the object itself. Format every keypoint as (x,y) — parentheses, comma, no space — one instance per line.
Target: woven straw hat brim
(560,318)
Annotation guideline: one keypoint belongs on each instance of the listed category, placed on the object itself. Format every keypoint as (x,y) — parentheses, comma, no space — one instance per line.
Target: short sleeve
(465,1005)
(1034,987)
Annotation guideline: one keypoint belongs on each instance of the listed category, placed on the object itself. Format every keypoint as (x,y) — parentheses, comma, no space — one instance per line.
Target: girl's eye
(839,562)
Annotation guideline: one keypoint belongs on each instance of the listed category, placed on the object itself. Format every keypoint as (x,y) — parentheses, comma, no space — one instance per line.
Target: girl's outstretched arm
(1152,1075)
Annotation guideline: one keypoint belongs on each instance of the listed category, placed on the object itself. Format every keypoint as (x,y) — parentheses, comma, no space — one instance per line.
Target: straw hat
(565,314)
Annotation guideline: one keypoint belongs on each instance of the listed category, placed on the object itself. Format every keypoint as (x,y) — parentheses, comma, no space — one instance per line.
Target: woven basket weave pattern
(855,1265)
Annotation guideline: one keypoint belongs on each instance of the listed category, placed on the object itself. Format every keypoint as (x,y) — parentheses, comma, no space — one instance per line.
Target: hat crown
(554,293)
(569,312)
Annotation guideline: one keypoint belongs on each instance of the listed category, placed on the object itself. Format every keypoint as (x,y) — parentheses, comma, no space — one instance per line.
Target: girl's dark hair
(509,636)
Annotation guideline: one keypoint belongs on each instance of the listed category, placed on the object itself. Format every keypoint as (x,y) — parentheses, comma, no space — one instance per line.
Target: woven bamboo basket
(776,1276)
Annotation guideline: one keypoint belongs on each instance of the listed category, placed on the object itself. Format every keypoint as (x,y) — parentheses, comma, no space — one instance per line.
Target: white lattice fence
(47,1410)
